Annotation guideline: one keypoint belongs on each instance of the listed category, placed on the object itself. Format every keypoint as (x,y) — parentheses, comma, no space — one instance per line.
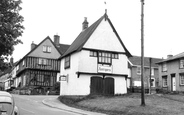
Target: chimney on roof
(169,56)
(11,60)
(33,45)
(56,40)
(85,24)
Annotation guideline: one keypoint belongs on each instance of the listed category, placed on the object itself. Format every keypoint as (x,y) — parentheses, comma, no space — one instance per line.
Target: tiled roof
(136,61)
(78,43)
(178,56)
(62,48)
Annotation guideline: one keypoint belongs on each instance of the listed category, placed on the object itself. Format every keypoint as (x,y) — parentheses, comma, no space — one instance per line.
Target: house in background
(136,71)
(4,80)
(171,73)
(6,83)
(96,62)
(38,69)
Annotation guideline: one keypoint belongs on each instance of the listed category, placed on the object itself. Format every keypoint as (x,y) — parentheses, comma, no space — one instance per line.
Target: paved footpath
(55,103)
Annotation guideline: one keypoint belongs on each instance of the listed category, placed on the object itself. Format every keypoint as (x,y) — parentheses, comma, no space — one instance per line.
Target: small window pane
(44,49)
(113,56)
(49,49)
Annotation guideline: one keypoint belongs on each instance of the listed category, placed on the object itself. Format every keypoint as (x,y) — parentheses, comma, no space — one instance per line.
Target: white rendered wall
(104,38)
(87,63)
(120,85)
(74,85)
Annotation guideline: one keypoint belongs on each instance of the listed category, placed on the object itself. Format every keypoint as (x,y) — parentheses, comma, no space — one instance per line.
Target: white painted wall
(104,38)
(87,63)
(120,85)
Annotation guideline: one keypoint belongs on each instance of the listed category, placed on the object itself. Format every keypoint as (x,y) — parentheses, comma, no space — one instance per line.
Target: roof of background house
(136,61)
(61,49)
(178,56)
(82,38)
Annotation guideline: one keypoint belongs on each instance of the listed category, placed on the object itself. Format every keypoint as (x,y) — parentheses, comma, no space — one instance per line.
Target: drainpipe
(150,77)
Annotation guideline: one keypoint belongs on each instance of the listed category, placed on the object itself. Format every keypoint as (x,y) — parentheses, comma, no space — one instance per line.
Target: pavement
(55,103)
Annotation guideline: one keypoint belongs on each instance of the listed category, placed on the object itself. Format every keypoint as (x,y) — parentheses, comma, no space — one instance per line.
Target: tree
(10,29)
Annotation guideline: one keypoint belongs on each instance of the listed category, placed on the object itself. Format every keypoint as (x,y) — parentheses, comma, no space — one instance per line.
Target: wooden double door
(101,85)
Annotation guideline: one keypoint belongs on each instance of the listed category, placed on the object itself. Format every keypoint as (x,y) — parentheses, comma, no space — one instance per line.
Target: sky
(163,23)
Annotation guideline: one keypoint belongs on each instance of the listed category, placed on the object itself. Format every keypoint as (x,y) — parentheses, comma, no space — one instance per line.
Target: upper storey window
(164,67)
(181,63)
(104,57)
(47,49)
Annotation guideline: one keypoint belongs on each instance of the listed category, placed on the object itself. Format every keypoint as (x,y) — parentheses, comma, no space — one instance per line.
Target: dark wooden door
(96,85)
(109,86)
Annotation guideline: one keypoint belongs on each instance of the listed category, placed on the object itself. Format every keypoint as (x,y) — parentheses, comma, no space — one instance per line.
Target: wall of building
(137,77)
(172,68)
(81,62)
(74,85)
(39,51)
(104,38)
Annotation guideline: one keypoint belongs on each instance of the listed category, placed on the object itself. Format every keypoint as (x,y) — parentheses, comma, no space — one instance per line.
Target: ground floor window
(164,81)
(181,78)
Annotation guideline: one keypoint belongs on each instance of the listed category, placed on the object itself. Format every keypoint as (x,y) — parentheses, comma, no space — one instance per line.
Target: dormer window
(46,49)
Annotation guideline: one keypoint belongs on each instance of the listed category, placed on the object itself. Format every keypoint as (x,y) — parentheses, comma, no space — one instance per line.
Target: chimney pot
(85,24)
(169,56)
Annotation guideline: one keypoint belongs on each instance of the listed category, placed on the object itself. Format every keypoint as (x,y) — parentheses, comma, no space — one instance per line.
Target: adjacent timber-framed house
(38,70)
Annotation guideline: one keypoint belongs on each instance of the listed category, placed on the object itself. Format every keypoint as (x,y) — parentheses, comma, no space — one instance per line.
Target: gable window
(42,61)
(181,78)
(47,49)
(67,62)
(104,58)
(139,70)
(181,63)
(164,67)
(164,81)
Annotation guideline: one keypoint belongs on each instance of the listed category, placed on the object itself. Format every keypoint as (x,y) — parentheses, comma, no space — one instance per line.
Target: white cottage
(96,62)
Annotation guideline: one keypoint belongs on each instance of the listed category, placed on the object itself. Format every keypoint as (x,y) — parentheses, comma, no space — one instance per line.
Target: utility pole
(150,77)
(142,54)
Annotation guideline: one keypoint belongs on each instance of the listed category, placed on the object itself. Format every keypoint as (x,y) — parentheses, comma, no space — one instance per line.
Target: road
(32,105)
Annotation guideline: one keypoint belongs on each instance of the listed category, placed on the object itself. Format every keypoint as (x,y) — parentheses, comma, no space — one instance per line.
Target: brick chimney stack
(33,45)
(85,24)
(56,40)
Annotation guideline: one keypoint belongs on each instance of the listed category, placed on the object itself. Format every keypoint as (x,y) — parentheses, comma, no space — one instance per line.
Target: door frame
(173,86)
